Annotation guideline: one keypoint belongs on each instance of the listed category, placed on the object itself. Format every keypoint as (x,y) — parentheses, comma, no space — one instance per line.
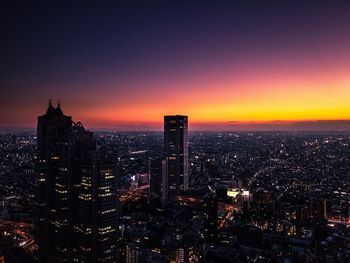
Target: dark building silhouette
(165,196)
(54,130)
(97,208)
(210,212)
(155,179)
(77,193)
(13,139)
(176,153)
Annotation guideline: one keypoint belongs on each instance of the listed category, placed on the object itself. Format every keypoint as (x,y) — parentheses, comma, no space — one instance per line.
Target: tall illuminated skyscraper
(77,193)
(97,222)
(53,199)
(176,153)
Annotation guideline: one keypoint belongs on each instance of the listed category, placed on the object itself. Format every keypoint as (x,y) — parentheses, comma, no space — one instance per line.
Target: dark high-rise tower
(54,130)
(77,193)
(176,153)
(155,173)
(97,208)
(210,212)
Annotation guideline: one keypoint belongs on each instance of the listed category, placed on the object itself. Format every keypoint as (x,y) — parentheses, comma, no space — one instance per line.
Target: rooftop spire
(50,108)
(58,109)
(54,110)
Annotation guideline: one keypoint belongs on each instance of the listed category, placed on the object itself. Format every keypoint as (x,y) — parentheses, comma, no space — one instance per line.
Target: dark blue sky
(75,50)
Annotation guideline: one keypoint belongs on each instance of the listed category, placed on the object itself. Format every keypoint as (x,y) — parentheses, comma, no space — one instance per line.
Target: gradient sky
(118,65)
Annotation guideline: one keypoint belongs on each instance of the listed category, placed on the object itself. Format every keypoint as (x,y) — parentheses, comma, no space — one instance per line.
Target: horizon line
(224,126)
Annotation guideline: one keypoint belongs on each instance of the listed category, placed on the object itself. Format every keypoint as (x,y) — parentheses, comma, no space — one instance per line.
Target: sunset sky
(124,66)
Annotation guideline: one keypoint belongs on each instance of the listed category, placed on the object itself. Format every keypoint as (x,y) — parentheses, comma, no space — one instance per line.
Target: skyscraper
(98,224)
(77,193)
(54,213)
(210,212)
(176,153)
(155,176)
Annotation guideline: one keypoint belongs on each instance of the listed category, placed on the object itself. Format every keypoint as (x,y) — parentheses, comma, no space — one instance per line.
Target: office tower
(134,254)
(186,250)
(176,153)
(77,193)
(165,196)
(318,209)
(210,212)
(155,177)
(98,224)
(54,130)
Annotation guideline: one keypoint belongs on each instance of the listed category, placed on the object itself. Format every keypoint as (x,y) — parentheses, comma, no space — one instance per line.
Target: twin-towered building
(77,193)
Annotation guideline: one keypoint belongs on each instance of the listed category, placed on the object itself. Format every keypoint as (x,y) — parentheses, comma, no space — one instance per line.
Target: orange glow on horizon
(288,103)
(257,95)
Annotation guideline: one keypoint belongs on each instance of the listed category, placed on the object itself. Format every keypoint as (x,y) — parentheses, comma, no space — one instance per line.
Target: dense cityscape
(178,131)
(176,196)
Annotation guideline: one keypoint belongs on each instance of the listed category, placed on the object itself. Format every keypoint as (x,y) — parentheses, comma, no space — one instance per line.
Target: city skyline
(187,131)
(228,66)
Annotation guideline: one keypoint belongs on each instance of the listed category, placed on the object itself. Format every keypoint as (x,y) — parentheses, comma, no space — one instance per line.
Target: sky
(226,64)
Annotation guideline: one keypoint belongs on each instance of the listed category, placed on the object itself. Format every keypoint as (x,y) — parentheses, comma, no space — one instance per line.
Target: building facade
(77,193)
(176,153)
